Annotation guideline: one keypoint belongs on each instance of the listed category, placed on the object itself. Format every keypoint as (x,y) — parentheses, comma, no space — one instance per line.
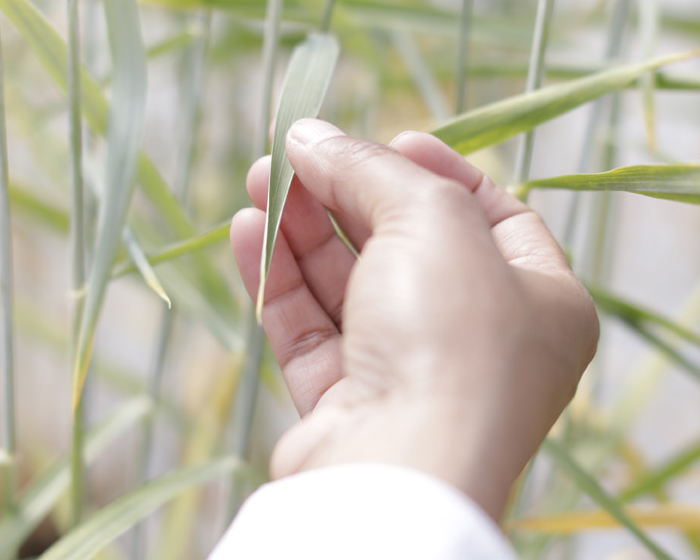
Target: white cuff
(361,512)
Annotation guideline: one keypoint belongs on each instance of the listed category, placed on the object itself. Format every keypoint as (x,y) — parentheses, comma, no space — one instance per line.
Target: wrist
(430,437)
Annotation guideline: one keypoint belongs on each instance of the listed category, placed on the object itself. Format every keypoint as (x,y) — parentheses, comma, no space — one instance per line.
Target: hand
(451,345)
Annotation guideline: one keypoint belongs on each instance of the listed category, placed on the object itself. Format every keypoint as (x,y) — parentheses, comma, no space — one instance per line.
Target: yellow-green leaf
(676,516)
(499,121)
(101,529)
(675,182)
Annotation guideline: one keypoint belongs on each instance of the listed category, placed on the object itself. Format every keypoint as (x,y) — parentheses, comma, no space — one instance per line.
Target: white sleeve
(369,512)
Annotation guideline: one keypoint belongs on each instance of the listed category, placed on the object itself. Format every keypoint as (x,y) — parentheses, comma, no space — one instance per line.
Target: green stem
(246,395)
(77,244)
(193,78)
(612,50)
(327,15)
(9,483)
(465,26)
(535,75)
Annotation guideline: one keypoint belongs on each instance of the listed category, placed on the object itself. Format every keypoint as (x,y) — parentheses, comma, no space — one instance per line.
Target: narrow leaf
(214,236)
(144,267)
(675,182)
(51,50)
(111,521)
(43,493)
(499,121)
(590,486)
(308,77)
(653,480)
(674,516)
(125,125)
(632,313)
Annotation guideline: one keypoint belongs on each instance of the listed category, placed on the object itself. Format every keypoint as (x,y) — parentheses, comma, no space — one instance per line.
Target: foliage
(170,104)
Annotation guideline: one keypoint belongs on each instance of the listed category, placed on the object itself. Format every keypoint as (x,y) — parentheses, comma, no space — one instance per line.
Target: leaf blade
(679,181)
(499,121)
(308,77)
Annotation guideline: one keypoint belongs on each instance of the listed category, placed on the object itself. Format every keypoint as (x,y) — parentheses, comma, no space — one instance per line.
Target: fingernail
(311,131)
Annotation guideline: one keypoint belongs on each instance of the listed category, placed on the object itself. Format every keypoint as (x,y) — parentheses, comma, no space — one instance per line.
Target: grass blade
(125,123)
(665,515)
(214,236)
(679,182)
(111,521)
(632,313)
(43,493)
(143,266)
(7,366)
(499,121)
(52,53)
(590,486)
(308,77)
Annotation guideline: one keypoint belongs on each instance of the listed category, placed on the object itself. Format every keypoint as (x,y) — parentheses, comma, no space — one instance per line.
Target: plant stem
(612,51)
(535,75)
(465,25)
(77,245)
(9,482)
(247,393)
(327,15)
(193,74)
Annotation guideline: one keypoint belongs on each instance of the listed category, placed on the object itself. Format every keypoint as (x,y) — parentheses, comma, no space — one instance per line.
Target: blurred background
(637,410)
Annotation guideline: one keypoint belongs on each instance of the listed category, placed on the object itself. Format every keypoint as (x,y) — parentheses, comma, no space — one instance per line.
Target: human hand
(455,341)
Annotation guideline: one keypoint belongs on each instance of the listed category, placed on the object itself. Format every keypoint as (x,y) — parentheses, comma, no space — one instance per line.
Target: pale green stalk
(193,78)
(9,483)
(78,247)
(567,498)
(523,161)
(465,28)
(535,75)
(612,51)
(648,31)
(241,421)
(327,15)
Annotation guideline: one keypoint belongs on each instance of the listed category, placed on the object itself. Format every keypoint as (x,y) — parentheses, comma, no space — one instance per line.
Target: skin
(455,341)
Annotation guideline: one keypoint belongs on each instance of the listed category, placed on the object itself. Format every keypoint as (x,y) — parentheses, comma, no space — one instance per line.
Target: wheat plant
(139,401)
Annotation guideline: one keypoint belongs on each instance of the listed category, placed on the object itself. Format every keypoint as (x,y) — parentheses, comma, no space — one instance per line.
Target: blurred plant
(182,141)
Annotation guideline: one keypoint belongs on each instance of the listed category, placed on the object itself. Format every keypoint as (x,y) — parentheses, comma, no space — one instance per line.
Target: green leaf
(144,267)
(43,493)
(209,238)
(308,77)
(123,141)
(653,480)
(51,50)
(630,312)
(92,536)
(39,209)
(499,121)
(590,486)
(675,182)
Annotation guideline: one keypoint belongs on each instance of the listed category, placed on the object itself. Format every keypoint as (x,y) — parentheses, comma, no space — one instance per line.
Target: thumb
(370,182)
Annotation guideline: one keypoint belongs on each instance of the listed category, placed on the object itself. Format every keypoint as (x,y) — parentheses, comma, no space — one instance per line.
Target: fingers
(371,183)
(322,257)
(304,339)
(520,234)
